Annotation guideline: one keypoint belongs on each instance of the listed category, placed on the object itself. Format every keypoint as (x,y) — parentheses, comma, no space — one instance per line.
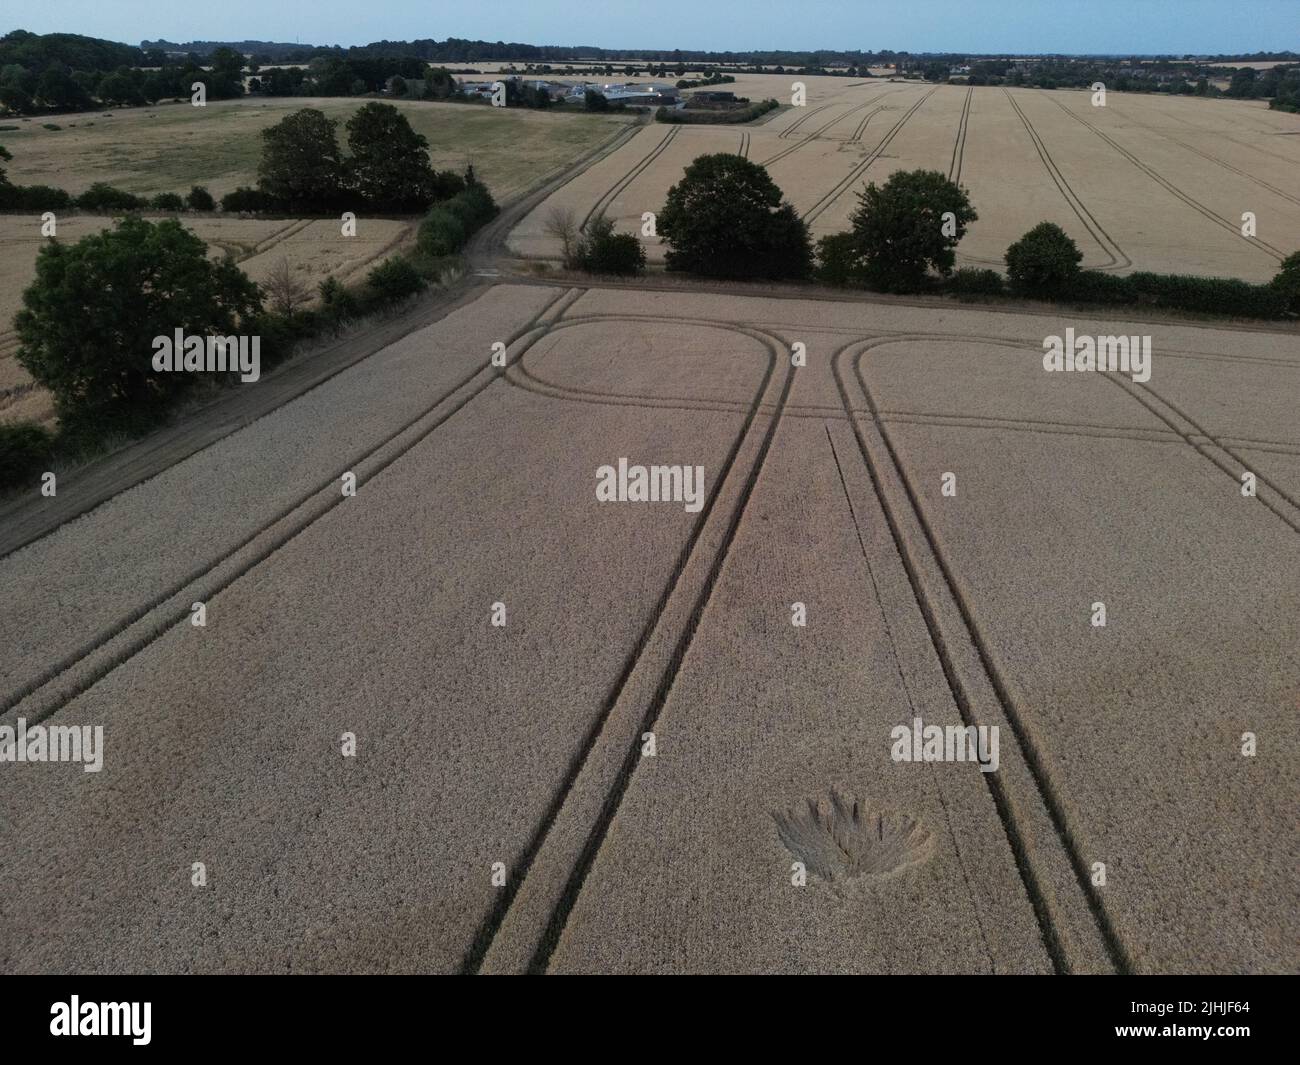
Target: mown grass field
(169,147)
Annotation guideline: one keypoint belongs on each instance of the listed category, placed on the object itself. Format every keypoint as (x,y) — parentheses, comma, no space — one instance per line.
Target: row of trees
(726,218)
(303,169)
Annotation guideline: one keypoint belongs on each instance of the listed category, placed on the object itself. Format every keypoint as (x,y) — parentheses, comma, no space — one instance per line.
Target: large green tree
(389,167)
(726,218)
(909,225)
(301,165)
(89,320)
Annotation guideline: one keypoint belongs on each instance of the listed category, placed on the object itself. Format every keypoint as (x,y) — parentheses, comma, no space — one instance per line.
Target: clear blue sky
(1070,26)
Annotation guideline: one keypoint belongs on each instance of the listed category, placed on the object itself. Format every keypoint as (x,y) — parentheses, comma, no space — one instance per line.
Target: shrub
(25,448)
(972,282)
(1043,262)
(33,198)
(393,280)
(441,233)
(89,319)
(200,199)
(838,261)
(1207,295)
(247,201)
(726,218)
(338,302)
(901,230)
(1093,286)
(602,251)
(167,201)
(103,197)
(449,224)
(51,126)
(1287,282)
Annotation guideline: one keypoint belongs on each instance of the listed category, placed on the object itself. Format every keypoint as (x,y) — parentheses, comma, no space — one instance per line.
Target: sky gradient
(1024,26)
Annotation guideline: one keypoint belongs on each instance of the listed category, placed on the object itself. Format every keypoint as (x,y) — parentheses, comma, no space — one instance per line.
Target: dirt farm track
(615,735)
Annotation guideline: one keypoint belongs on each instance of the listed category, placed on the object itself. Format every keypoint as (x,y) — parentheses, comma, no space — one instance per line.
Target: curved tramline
(845,183)
(1117,259)
(608,196)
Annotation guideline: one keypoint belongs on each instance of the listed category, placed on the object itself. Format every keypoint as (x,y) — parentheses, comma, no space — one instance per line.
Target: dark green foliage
(448,225)
(971,282)
(1287,282)
(715,118)
(900,228)
(248,201)
(301,164)
(338,302)
(200,199)
(595,101)
(389,165)
(393,280)
(167,201)
(89,319)
(25,450)
(1044,262)
(33,198)
(441,232)
(102,197)
(1207,295)
(838,262)
(726,219)
(602,251)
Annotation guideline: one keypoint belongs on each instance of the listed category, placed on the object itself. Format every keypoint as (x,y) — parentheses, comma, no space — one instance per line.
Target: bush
(449,225)
(25,449)
(602,251)
(103,197)
(338,302)
(247,201)
(1093,286)
(715,118)
(972,282)
(1043,262)
(200,199)
(441,233)
(1287,282)
(167,201)
(51,126)
(1207,295)
(726,218)
(838,262)
(394,280)
(33,198)
(901,232)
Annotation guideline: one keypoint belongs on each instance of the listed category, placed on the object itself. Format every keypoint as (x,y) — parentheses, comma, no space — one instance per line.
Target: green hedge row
(715,118)
(449,224)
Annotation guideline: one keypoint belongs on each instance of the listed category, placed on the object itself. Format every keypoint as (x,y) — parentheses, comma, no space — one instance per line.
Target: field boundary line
(959,145)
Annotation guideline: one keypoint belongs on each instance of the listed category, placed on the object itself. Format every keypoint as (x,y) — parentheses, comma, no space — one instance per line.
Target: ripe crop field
(522,746)
(1143,183)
